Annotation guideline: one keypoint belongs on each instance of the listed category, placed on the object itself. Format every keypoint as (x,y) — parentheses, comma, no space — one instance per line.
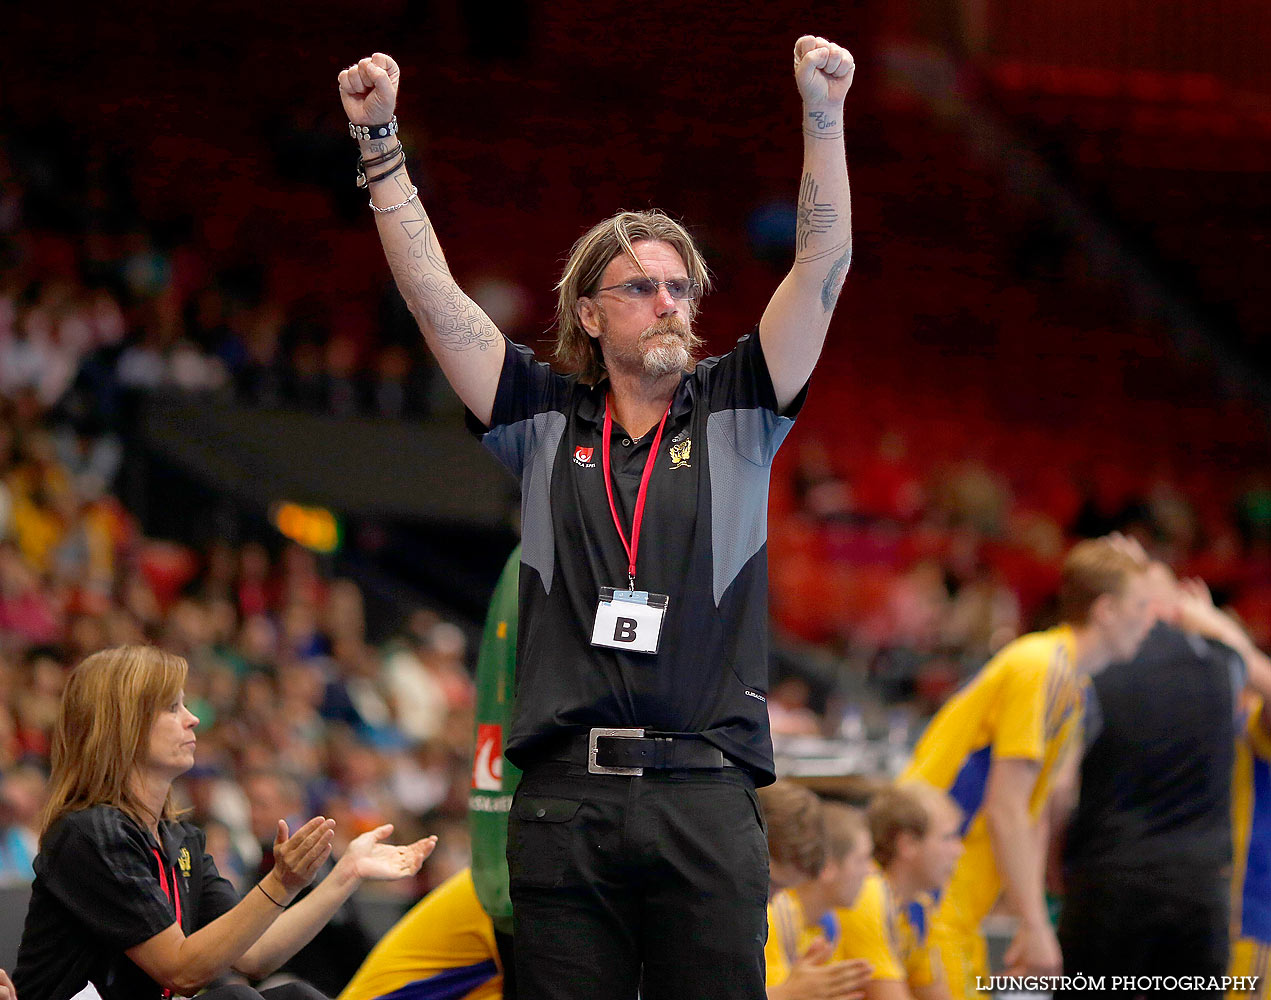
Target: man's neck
(639,402)
(904,888)
(1089,654)
(813,901)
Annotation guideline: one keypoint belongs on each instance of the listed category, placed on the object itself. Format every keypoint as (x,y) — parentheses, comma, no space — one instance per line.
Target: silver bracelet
(367,132)
(393,208)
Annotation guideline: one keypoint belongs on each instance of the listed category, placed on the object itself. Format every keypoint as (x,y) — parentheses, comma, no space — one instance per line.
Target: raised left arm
(793,326)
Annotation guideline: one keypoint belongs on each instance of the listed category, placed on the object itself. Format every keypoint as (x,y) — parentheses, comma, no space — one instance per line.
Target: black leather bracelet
(373,131)
(375,161)
(392,169)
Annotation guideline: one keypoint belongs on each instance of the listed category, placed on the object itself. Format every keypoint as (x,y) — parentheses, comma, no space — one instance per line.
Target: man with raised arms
(636,855)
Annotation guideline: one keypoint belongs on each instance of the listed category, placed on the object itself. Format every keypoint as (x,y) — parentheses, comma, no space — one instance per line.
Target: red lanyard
(173,895)
(633,546)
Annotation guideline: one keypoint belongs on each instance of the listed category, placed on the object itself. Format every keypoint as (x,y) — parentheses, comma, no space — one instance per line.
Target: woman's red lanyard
(632,547)
(173,895)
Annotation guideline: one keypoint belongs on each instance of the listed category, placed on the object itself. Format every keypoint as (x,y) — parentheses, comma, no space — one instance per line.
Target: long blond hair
(576,350)
(103,730)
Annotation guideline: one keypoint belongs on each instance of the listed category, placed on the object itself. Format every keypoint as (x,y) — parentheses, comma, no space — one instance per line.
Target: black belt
(630,751)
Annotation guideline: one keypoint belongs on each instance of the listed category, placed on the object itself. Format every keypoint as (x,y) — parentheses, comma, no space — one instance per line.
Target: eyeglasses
(647,288)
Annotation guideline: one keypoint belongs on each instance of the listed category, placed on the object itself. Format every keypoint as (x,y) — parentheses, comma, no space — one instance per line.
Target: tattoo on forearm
(814,217)
(833,283)
(431,294)
(822,126)
(432,250)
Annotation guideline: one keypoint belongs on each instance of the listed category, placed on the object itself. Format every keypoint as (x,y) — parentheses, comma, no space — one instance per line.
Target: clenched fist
(823,71)
(368,89)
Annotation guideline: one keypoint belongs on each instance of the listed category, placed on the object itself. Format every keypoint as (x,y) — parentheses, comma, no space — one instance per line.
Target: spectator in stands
(120,877)
(788,710)
(418,695)
(21,796)
(818,489)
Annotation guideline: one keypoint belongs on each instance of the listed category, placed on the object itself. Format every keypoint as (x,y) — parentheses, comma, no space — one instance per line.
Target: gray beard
(666,359)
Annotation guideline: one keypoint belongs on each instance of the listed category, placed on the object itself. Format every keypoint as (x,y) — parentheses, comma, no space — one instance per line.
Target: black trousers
(656,883)
(1127,923)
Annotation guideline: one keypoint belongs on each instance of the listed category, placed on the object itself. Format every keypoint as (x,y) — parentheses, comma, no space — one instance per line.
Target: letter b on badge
(627,621)
(624,630)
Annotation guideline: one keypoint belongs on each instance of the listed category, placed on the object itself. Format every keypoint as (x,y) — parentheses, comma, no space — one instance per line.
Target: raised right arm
(460,335)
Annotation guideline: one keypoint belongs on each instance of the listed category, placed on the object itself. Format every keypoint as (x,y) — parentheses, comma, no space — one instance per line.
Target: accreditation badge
(629,619)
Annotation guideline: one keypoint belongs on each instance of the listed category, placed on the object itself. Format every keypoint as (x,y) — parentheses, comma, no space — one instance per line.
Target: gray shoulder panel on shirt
(741,445)
(538,541)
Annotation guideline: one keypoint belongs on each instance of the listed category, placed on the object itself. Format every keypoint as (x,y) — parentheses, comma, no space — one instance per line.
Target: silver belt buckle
(595,768)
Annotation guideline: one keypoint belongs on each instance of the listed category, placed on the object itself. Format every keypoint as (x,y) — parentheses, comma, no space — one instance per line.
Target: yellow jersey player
(803,953)
(1251,836)
(995,745)
(917,843)
(443,949)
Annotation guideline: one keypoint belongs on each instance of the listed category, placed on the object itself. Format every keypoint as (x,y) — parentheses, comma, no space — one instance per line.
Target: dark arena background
(220,430)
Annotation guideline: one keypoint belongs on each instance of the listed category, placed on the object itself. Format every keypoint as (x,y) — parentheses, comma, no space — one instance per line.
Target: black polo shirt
(704,544)
(98,892)
(1156,778)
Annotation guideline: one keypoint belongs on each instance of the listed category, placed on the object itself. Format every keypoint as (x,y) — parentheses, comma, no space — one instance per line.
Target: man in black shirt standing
(1148,851)
(636,852)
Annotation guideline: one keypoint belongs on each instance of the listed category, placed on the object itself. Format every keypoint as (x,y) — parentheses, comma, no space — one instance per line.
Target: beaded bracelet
(393,208)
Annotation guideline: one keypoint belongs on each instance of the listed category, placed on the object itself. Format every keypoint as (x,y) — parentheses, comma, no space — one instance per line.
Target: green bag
(493,778)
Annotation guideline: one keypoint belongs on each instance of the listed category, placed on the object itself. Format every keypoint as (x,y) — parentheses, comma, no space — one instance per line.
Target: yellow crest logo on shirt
(183,859)
(680,452)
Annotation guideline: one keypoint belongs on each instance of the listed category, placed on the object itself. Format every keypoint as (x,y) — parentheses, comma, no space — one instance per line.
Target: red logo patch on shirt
(487,763)
(582,456)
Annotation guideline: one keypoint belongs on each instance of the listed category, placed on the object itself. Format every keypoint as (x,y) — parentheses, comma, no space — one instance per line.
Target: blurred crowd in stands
(914,575)
(299,713)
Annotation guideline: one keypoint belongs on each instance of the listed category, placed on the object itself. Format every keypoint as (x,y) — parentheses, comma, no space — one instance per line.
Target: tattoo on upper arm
(431,294)
(833,283)
(814,217)
(809,257)
(822,126)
